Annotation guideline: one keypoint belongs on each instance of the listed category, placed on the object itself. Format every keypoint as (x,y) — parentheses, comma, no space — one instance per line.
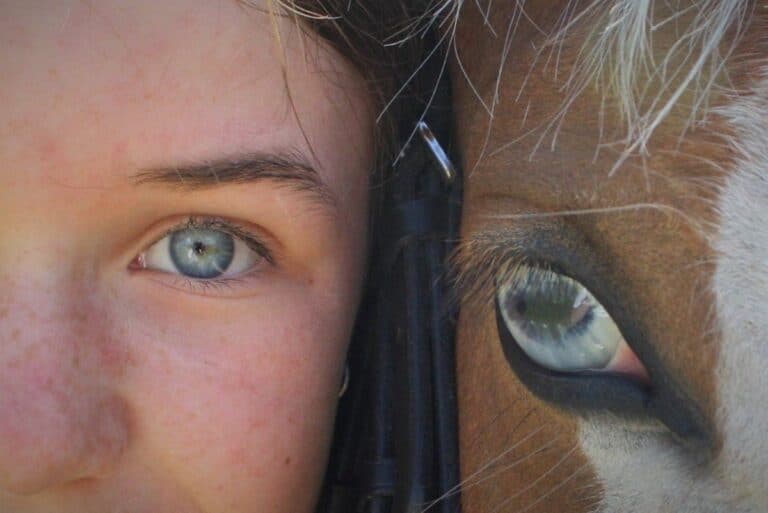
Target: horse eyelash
(477,266)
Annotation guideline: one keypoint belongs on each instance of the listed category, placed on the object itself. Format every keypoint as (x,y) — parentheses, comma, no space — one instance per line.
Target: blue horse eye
(201,253)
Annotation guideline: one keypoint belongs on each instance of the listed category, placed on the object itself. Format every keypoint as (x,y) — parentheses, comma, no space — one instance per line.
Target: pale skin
(124,386)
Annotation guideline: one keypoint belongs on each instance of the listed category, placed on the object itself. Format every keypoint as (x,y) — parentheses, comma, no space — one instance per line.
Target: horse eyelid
(478,264)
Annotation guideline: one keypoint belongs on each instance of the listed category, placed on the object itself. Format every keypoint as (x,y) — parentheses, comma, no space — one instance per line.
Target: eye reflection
(559,324)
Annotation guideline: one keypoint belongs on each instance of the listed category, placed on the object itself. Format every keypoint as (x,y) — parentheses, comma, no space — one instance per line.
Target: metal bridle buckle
(444,164)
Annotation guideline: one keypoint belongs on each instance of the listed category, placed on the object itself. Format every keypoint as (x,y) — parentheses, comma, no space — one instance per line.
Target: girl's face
(182,250)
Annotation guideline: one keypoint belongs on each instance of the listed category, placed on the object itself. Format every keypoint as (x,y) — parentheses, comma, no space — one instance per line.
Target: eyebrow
(289,169)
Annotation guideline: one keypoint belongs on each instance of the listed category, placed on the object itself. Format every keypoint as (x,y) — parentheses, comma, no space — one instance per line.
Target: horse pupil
(521,306)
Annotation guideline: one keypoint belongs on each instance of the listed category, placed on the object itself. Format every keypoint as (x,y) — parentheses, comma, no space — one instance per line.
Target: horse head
(611,273)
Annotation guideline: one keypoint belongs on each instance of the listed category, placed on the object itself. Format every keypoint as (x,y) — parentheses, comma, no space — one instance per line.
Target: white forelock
(645,80)
(623,57)
(741,291)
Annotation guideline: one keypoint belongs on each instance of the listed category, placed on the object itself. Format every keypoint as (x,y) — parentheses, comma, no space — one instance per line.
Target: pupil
(199,248)
(521,306)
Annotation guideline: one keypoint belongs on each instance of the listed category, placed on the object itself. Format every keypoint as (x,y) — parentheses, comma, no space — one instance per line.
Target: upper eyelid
(495,251)
(222,288)
(478,262)
(251,239)
(232,228)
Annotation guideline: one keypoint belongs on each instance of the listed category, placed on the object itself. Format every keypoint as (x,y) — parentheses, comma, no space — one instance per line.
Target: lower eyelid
(255,237)
(234,288)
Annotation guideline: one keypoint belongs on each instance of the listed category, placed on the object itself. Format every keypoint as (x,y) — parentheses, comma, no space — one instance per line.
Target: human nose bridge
(60,419)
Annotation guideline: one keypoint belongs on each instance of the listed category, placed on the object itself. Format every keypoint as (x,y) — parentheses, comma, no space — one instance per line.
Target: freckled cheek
(237,396)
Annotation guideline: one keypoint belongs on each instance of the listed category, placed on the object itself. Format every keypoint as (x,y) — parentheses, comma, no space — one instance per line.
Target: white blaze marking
(741,289)
(644,471)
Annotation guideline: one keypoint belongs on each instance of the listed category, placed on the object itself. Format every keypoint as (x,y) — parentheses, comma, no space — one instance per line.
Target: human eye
(205,251)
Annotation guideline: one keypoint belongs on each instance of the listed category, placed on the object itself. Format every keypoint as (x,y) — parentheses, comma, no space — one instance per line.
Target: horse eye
(560,325)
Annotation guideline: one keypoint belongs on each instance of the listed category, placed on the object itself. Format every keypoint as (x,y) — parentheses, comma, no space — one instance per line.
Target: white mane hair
(620,56)
(643,80)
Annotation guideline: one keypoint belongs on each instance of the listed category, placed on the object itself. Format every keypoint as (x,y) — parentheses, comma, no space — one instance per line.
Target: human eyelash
(204,287)
(251,240)
(219,286)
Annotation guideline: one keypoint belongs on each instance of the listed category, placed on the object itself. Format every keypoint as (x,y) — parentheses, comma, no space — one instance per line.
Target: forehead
(160,82)
(133,57)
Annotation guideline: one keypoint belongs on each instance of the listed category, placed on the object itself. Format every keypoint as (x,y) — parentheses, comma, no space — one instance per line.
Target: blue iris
(201,253)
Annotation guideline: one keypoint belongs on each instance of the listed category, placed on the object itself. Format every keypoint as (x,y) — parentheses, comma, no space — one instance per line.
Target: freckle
(3,313)
(239,456)
(115,358)
(15,335)
(287,461)
(47,149)
(30,352)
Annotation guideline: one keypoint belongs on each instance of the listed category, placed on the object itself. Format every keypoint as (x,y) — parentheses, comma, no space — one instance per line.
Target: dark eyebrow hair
(289,169)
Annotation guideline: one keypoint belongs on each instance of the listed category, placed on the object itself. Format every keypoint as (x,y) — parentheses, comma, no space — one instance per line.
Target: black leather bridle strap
(425,212)
(396,448)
